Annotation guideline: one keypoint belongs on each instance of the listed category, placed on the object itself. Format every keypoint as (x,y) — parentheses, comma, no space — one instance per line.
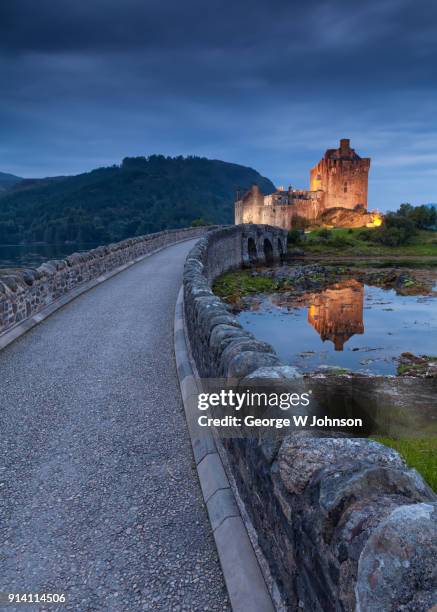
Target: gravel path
(100,498)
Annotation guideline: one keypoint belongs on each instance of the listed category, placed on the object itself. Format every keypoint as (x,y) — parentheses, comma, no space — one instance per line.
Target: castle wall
(344,182)
(310,208)
(343,176)
(250,210)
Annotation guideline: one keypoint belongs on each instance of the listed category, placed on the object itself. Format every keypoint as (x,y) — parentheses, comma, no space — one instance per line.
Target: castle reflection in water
(337,312)
(347,325)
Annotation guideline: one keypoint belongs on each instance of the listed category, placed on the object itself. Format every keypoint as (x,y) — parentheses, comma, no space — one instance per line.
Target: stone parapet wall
(210,325)
(343,523)
(24,292)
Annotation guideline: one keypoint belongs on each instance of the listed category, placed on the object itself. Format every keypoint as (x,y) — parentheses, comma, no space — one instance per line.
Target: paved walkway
(99,493)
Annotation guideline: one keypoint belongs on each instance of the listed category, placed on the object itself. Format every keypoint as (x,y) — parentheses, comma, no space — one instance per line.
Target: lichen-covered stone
(238,346)
(397,569)
(223,318)
(221,336)
(244,363)
(341,486)
(301,457)
(281,372)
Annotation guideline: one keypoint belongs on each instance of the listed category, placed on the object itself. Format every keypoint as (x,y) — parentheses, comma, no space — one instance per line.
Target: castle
(337,312)
(338,181)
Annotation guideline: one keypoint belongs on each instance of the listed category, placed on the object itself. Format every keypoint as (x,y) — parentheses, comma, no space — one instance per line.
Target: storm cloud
(270,85)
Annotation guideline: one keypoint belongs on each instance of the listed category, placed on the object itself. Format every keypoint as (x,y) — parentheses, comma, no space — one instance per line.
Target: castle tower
(343,177)
(249,207)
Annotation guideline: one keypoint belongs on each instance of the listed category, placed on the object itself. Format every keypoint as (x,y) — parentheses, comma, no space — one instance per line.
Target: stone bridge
(100,496)
(25,293)
(262,244)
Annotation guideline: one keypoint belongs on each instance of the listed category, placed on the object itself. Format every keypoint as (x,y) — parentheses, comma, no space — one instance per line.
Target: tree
(294,236)
(300,222)
(142,195)
(422,217)
(397,229)
(199,222)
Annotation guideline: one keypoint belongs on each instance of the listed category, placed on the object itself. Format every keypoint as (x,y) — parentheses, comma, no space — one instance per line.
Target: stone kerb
(321,505)
(25,292)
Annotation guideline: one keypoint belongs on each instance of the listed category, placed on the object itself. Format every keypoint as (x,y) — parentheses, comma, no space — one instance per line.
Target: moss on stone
(337,371)
(233,285)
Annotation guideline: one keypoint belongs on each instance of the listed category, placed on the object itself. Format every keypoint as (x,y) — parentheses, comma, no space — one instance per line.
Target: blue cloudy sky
(266,84)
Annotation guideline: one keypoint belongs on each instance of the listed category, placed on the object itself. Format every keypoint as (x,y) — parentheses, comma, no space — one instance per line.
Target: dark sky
(267,84)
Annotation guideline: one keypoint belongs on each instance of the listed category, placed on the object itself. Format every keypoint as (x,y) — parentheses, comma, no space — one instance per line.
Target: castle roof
(344,152)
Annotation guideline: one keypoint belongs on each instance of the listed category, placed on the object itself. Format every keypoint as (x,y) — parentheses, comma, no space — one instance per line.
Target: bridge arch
(268,251)
(259,243)
(252,250)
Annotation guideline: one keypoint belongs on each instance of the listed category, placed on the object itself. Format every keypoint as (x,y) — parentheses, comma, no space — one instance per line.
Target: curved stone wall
(210,325)
(25,292)
(342,522)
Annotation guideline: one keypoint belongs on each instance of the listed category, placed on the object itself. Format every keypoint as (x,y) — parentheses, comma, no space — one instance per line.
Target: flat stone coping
(241,571)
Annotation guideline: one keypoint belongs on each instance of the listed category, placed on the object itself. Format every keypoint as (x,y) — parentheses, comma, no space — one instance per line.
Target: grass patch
(233,285)
(409,366)
(404,368)
(387,262)
(336,371)
(420,454)
(353,242)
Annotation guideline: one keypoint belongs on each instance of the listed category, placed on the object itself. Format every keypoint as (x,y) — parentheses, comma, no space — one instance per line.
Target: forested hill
(140,196)
(8,180)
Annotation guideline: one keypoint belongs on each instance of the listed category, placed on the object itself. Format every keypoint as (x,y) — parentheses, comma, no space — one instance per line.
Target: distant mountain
(140,196)
(8,180)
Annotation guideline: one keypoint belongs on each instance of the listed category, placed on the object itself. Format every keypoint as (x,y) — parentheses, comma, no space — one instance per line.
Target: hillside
(140,196)
(7,181)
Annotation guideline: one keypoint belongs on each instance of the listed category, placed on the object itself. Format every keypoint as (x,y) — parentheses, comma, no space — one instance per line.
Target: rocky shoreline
(287,285)
(312,277)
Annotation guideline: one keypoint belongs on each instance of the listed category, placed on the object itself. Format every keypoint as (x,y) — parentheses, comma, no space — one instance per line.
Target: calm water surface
(32,256)
(348,325)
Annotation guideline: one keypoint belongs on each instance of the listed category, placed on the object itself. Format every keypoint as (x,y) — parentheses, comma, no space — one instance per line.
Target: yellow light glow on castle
(376,220)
